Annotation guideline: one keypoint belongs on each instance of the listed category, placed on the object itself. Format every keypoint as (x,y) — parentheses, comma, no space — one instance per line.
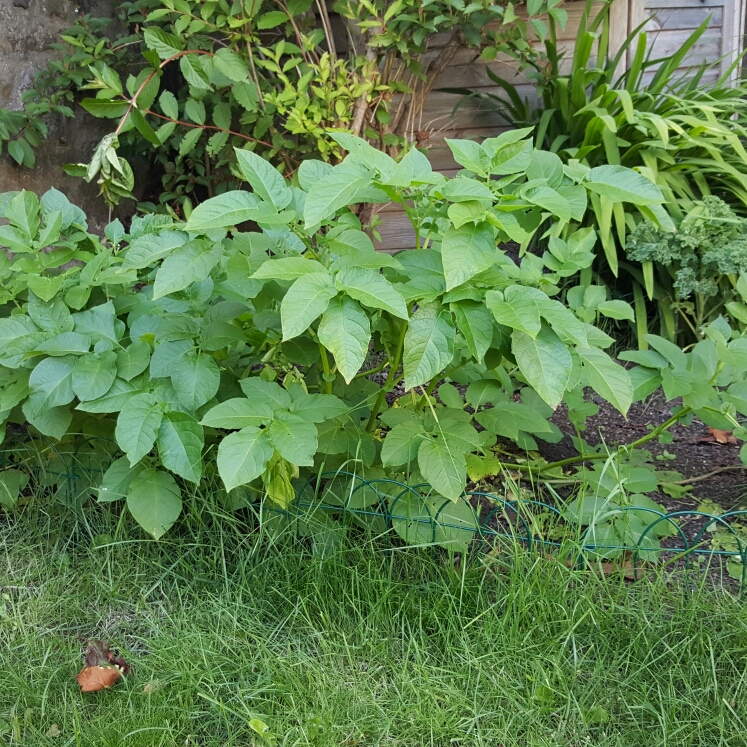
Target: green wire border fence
(388,495)
(507,507)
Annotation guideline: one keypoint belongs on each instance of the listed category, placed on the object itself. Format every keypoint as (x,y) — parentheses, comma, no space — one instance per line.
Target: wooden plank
(478,134)
(684,4)
(672,21)
(685,18)
(466,56)
(730,41)
(438,113)
(732,35)
(636,16)
(574,8)
(473,73)
(442,101)
(396,233)
(707,48)
(710,76)
(618,21)
(742,27)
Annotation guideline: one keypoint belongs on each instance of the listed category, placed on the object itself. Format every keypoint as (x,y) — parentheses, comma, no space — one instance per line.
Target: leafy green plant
(703,266)
(728,537)
(200,347)
(54,87)
(189,81)
(685,135)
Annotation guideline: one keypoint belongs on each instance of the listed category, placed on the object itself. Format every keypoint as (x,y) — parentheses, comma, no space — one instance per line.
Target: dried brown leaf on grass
(103,669)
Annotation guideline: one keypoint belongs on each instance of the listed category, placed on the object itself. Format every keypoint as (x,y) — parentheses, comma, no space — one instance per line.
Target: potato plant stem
(432,383)
(392,379)
(325,365)
(370,371)
(592,457)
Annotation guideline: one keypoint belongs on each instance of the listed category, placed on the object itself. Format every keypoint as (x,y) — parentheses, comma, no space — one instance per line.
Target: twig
(359,114)
(254,74)
(321,4)
(434,71)
(206,127)
(128,44)
(148,80)
(716,471)
(297,31)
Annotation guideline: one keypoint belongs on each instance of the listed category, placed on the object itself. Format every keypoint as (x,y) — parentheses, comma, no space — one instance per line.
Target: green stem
(428,390)
(591,457)
(580,440)
(325,365)
(726,415)
(392,379)
(415,221)
(432,383)
(385,389)
(699,306)
(370,371)
(688,322)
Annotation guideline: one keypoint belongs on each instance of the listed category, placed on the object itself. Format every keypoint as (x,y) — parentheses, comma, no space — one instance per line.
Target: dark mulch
(695,450)
(696,454)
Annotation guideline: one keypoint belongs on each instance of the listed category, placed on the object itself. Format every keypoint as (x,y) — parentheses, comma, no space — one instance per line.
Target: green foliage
(188,82)
(82,49)
(677,132)
(197,346)
(728,537)
(703,264)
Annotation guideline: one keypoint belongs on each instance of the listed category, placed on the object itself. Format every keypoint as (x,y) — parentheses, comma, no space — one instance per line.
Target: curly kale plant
(700,264)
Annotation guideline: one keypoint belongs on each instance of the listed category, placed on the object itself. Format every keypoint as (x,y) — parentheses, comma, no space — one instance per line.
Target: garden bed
(695,450)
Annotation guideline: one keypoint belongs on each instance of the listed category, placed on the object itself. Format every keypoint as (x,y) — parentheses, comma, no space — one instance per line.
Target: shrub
(198,345)
(188,81)
(702,266)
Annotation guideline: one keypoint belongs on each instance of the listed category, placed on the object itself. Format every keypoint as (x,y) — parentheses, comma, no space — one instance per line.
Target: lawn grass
(362,647)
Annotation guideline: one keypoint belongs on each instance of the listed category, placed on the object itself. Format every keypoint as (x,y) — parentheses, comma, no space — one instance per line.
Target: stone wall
(27,28)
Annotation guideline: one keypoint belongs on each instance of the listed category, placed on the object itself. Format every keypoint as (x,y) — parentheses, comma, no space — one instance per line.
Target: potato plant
(243,340)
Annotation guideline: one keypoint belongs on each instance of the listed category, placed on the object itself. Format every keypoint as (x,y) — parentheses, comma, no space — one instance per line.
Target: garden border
(508,509)
(484,531)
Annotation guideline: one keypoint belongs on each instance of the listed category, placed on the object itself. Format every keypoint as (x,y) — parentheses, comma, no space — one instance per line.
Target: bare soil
(696,452)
